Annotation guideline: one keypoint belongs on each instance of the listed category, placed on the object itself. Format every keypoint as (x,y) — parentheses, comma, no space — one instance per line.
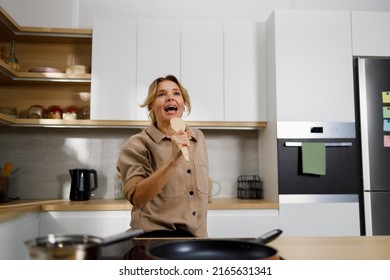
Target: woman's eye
(178,93)
(160,94)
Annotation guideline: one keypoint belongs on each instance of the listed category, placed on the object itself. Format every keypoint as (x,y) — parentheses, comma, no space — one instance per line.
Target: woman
(169,195)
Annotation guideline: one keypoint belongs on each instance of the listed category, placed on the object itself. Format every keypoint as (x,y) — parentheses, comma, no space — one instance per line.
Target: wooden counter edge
(15,209)
(118,205)
(238,204)
(11,214)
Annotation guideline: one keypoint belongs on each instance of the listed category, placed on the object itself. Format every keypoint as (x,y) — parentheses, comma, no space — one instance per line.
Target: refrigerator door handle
(336,144)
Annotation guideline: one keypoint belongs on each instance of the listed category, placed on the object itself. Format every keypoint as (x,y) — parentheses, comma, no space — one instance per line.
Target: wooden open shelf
(11,75)
(11,121)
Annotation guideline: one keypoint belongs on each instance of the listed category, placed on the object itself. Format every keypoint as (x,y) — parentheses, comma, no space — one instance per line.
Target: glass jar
(54,112)
(70,113)
(36,112)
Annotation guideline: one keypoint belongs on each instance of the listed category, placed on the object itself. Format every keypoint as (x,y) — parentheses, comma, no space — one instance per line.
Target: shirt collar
(157,135)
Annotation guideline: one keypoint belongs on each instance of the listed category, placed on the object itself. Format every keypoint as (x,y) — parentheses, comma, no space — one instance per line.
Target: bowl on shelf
(44,70)
(78,69)
(10,111)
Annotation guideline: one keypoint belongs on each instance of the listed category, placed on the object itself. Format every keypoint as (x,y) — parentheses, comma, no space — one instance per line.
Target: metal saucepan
(217,249)
(73,247)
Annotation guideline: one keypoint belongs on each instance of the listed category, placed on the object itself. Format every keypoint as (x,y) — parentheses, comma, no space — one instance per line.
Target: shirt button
(193,213)
(191,193)
(189,171)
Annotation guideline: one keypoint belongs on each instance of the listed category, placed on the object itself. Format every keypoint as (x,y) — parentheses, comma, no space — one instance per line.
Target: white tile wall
(45,156)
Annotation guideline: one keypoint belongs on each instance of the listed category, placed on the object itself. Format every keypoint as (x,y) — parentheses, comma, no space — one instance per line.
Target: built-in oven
(341,166)
(332,191)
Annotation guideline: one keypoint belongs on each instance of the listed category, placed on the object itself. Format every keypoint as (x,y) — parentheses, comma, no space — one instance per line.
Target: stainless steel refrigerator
(372,87)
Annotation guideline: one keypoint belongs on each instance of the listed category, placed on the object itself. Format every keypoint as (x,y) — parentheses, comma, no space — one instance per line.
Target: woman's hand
(180,139)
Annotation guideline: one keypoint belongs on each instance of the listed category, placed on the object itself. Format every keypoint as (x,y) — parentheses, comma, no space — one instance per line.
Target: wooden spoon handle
(184,151)
(178,124)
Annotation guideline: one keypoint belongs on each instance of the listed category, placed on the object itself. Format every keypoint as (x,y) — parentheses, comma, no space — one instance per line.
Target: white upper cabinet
(202,69)
(312,71)
(244,71)
(158,54)
(370,33)
(113,91)
(221,65)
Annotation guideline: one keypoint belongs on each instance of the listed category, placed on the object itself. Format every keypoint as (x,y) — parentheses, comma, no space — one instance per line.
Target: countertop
(333,248)
(295,248)
(13,209)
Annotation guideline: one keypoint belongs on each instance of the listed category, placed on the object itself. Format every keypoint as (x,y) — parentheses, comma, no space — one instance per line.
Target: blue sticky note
(386,125)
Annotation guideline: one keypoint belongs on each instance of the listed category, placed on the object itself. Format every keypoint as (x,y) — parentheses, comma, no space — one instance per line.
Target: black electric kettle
(80,187)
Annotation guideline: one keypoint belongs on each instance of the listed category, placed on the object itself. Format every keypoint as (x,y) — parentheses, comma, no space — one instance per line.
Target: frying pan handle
(270,236)
(121,236)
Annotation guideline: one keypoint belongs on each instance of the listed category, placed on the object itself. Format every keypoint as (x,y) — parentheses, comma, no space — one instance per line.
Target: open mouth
(170,108)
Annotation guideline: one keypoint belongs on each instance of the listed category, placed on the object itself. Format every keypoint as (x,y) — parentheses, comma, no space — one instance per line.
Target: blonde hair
(153,91)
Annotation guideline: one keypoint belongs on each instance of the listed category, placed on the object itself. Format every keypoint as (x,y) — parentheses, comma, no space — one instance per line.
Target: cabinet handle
(335,144)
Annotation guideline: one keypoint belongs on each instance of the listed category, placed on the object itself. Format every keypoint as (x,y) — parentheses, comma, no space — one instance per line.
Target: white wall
(357,5)
(80,13)
(42,13)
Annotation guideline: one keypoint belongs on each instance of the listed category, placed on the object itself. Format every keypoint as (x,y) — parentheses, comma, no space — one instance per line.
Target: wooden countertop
(294,248)
(12,210)
(333,248)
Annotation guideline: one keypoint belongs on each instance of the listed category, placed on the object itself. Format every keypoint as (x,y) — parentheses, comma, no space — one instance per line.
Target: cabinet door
(313,64)
(248,223)
(202,69)
(13,234)
(370,33)
(113,95)
(244,69)
(97,223)
(158,54)
(320,219)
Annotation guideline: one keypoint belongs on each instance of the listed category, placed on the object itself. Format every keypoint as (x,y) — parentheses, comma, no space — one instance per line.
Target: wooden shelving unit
(43,47)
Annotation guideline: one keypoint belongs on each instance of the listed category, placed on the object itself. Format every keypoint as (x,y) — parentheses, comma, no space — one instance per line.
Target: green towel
(313,158)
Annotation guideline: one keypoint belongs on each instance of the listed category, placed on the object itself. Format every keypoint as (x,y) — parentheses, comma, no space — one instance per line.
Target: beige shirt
(183,201)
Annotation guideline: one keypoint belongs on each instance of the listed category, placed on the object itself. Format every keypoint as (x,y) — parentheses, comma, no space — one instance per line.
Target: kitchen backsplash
(45,155)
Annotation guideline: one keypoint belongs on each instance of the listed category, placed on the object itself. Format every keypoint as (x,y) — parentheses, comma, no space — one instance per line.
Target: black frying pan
(216,249)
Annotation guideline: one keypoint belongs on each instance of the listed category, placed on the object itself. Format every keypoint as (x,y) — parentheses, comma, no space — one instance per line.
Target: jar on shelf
(84,113)
(70,113)
(36,112)
(54,112)
(12,59)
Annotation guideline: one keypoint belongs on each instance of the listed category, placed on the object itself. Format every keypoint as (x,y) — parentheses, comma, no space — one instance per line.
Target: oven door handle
(335,144)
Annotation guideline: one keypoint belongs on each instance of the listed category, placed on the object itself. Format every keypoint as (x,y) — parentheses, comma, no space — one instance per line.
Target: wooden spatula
(178,124)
